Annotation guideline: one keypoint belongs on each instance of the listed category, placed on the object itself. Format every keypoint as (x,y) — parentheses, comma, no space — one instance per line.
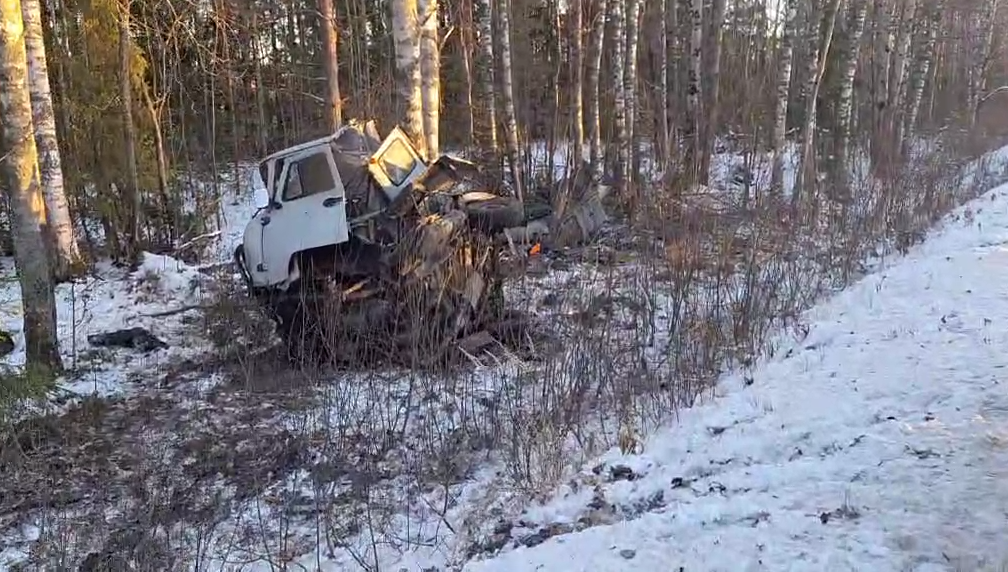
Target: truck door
(309,210)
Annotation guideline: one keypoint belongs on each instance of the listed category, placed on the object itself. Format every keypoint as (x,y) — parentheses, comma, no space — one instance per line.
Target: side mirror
(261,197)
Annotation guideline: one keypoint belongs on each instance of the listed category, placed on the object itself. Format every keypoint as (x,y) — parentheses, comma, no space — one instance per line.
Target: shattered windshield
(398,162)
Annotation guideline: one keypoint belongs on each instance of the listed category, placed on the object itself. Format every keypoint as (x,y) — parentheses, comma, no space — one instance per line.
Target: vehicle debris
(361,248)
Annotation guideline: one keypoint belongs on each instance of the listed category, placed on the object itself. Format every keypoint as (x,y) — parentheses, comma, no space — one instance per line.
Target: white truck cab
(307,199)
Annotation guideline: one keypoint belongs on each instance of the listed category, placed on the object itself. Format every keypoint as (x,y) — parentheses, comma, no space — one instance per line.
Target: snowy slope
(879,442)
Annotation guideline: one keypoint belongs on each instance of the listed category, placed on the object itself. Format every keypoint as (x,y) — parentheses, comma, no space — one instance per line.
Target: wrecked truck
(362,249)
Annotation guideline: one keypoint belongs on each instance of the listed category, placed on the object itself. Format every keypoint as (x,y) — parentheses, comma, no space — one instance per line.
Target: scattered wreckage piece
(140,339)
(361,250)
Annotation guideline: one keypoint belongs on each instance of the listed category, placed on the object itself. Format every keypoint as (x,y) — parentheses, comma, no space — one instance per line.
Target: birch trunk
(19,169)
(507,86)
(430,70)
(817,66)
(631,156)
(616,19)
(694,111)
(577,80)
(330,61)
(710,123)
(485,69)
(915,88)
(848,69)
(64,252)
(784,65)
(594,80)
(979,85)
(663,79)
(898,79)
(129,130)
(407,56)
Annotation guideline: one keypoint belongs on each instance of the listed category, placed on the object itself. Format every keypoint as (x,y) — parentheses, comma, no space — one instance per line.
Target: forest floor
(213,454)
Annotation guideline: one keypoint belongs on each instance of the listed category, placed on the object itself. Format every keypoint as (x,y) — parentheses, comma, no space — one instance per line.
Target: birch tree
(65,254)
(594,73)
(807,170)
(848,69)
(507,87)
(20,178)
(915,87)
(616,19)
(485,69)
(694,111)
(577,80)
(630,155)
(430,72)
(981,72)
(781,95)
(407,57)
(330,61)
(714,47)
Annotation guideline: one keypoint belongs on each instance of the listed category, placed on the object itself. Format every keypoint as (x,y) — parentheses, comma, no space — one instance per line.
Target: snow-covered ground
(825,433)
(879,441)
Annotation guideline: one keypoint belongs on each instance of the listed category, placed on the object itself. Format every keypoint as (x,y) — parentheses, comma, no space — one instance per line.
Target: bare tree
(20,169)
(65,254)
(430,71)
(330,60)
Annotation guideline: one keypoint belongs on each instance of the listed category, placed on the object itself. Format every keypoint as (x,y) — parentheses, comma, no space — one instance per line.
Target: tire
(495,214)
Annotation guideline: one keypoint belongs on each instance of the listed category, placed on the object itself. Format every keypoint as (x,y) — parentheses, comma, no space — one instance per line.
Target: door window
(309,176)
(398,162)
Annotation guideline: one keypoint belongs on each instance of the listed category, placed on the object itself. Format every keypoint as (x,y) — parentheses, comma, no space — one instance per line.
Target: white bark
(407,56)
(594,80)
(430,69)
(805,182)
(915,88)
(616,20)
(20,178)
(848,69)
(65,253)
(629,150)
(663,77)
(694,88)
(784,64)
(981,74)
(485,68)
(507,86)
(577,79)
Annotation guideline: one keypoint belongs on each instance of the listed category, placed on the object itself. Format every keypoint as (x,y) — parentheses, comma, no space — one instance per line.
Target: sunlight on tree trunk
(407,56)
(330,59)
(507,85)
(135,205)
(65,255)
(20,171)
(430,71)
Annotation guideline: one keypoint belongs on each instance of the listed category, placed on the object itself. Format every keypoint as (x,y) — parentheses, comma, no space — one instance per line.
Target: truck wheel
(494,214)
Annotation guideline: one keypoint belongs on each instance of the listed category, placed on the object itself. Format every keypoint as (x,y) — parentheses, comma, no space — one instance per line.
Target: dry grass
(270,462)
